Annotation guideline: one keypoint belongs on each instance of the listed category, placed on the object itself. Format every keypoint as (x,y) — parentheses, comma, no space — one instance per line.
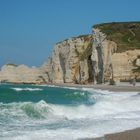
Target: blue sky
(29,29)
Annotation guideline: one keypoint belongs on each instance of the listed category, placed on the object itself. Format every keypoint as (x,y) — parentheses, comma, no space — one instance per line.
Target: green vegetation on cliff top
(125,34)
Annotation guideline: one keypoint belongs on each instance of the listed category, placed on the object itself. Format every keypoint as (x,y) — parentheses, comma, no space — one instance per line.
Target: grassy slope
(125,34)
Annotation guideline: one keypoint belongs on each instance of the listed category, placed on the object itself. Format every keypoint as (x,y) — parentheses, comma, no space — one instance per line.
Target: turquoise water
(54,95)
(29,112)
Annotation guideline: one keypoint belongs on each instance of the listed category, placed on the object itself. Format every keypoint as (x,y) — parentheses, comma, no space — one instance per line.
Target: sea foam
(111,112)
(27,89)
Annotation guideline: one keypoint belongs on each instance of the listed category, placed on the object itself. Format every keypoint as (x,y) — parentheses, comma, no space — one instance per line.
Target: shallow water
(30,112)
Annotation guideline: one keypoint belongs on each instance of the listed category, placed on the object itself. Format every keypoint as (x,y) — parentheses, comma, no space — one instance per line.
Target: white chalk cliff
(22,74)
(91,58)
(85,59)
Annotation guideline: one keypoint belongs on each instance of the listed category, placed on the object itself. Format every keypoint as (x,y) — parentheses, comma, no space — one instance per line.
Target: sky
(29,29)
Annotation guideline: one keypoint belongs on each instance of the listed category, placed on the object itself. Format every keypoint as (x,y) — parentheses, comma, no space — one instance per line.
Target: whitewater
(29,112)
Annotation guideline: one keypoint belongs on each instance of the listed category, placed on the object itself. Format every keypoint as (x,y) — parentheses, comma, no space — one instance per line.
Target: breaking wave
(105,112)
(24,110)
(103,105)
(27,89)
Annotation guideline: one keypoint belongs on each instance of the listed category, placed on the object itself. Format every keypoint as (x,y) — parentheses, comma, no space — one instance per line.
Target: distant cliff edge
(110,53)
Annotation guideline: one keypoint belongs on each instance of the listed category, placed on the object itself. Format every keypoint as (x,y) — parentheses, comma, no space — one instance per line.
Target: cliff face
(22,74)
(99,57)
(69,60)
(125,64)
(82,60)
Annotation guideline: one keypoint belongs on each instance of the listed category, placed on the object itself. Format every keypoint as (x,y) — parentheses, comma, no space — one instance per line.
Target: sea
(47,112)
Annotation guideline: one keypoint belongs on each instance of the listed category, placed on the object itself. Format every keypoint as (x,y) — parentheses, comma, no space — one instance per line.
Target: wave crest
(39,110)
(25,110)
(27,89)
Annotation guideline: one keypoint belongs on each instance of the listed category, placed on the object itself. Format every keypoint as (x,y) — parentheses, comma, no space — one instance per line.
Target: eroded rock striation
(82,60)
(69,62)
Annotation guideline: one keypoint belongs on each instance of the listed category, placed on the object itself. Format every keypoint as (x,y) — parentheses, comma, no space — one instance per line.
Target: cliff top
(125,34)
(84,36)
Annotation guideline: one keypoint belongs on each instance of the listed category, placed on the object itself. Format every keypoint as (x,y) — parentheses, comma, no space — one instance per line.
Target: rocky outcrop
(69,60)
(102,51)
(92,59)
(22,74)
(82,60)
